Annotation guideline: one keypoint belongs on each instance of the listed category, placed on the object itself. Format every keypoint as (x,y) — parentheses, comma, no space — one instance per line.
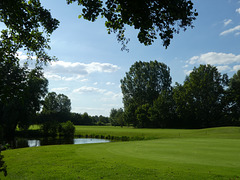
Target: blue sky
(90,62)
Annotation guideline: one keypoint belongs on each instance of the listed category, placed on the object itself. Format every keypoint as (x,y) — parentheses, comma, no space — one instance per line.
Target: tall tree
(162,113)
(152,18)
(21,93)
(55,103)
(200,100)
(143,84)
(116,117)
(234,97)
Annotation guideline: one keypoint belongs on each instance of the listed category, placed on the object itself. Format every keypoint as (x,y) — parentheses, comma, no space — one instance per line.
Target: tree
(200,101)
(21,93)
(116,117)
(162,113)
(142,85)
(29,27)
(55,103)
(67,129)
(86,119)
(143,116)
(152,18)
(234,96)
(56,109)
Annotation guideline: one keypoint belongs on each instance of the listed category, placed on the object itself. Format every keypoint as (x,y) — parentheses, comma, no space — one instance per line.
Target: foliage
(50,128)
(142,113)
(152,18)
(86,119)
(55,103)
(3,166)
(142,85)
(162,113)
(21,95)
(29,27)
(234,97)
(66,129)
(199,100)
(116,117)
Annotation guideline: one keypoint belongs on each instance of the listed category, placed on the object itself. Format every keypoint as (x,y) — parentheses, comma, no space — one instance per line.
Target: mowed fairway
(184,154)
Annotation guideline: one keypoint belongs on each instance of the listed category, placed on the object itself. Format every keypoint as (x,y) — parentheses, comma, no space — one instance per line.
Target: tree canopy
(142,85)
(200,100)
(153,18)
(234,95)
(55,103)
(29,26)
(21,95)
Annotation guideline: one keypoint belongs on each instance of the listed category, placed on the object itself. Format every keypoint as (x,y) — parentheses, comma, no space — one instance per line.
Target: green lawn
(171,154)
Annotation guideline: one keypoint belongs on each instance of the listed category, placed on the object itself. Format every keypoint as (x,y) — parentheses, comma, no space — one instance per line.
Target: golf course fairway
(195,154)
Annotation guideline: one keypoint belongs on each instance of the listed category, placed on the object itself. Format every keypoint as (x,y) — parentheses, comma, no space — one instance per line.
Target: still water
(20,143)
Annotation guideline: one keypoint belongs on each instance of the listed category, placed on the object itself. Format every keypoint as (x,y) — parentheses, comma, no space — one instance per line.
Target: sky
(91,64)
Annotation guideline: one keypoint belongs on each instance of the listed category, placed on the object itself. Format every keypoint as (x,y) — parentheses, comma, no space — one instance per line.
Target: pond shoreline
(35,142)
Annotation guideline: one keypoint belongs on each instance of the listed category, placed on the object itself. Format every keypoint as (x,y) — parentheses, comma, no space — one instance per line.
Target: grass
(170,154)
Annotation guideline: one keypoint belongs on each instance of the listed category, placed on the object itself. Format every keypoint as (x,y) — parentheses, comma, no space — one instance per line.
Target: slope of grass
(194,154)
(220,132)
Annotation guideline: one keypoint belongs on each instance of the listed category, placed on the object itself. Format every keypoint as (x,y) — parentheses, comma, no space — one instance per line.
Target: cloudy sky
(91,64)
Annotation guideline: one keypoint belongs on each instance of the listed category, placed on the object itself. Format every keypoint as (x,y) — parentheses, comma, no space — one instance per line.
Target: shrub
(50,128)
(67,129)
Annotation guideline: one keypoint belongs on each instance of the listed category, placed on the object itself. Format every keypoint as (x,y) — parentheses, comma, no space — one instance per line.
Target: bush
(50,128)
(3,167)
(67,129)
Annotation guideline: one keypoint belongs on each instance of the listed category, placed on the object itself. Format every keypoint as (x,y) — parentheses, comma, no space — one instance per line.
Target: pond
(20,143)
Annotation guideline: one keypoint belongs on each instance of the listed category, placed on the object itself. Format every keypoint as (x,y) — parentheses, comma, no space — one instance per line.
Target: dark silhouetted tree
(21,95)
(29,26)
(152,18)
(162,113)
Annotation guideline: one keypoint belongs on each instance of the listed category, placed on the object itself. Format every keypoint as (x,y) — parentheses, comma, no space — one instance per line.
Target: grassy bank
(147,134)
(172,154)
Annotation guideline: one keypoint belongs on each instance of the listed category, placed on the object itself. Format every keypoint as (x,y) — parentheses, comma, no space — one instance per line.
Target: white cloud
(56,77)
(223,68)
(187,72)
(60,89)
(237,34)
(232,30)
(106,95)
(227,22)
(238,10)
(52,76)
(214,58)
(86,89)
(110,83)
(68,71)
(80,68)
(112,96)
(84,80)
(236,68)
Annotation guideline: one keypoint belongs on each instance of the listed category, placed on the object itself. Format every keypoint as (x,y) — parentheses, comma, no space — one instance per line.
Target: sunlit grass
(177,154)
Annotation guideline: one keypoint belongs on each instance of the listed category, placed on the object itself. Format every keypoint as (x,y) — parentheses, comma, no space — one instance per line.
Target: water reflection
(33,143)
(20,143)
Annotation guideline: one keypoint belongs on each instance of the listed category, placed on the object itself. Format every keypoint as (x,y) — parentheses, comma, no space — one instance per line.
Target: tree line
(206,98)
